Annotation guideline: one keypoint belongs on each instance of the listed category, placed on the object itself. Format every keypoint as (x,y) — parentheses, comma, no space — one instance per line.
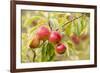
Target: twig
(49,21)
(50,25)
(70,21)
(73,20)
(34,55)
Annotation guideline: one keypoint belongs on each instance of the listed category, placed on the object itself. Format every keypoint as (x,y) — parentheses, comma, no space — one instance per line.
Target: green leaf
(50,51)
(47,52)
(68,29)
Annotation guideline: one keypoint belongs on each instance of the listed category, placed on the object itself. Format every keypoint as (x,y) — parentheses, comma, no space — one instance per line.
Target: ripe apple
(75,39)
(34,42)
(60,48)
(43,32)
(55,37)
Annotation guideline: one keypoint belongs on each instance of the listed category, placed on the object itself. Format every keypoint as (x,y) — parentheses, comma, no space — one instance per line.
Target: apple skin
(60,48)
(75,39)
(34,42)
(55,37)
(43,32)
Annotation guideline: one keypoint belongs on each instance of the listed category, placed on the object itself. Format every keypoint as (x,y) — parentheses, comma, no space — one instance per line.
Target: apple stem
(50,25)
(49,21)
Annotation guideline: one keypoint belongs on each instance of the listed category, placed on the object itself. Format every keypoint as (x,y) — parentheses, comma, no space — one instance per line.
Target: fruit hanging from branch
(34,42)
(60,48)
(55,37)
(43,32)
(75,38)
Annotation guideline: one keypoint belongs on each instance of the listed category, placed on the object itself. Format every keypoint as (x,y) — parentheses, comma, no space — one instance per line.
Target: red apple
(75,39)
(55,37)
(43,32)
(60,49)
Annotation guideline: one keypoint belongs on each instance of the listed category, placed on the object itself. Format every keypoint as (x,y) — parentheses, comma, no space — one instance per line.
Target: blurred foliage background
(67,23)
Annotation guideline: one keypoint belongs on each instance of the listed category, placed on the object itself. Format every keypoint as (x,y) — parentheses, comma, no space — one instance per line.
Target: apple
(43,32)
(34,42)
(55,37)
(60,48)
(75,39)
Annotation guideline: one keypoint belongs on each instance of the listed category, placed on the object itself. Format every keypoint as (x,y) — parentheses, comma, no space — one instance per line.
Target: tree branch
(70,21)
(73,20)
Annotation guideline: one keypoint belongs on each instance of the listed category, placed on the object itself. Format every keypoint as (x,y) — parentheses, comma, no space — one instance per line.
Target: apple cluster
(45,33)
